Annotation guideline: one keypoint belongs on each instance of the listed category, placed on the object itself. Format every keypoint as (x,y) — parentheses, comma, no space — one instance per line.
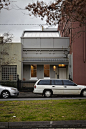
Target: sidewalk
(79,124)
(28,95)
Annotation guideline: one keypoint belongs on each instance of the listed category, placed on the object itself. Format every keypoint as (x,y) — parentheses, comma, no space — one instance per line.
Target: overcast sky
(16,16)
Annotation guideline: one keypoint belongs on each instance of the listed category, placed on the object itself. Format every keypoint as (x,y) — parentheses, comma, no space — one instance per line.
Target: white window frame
(9,72)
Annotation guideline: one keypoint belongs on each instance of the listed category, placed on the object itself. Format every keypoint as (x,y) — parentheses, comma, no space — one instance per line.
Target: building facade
(10,61)
(40,55)
(45,55)
(77,57)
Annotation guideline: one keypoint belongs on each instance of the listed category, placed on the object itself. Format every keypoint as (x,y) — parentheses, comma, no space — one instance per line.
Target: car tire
(84,93)
(5,94)
(47,93)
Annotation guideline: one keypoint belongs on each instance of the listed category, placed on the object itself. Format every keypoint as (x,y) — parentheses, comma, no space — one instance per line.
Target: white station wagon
(49,87)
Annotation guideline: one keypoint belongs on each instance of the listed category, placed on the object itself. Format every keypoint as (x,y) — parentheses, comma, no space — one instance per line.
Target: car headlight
(13,89)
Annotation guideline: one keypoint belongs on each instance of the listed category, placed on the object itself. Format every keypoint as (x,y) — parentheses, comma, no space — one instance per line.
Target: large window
(34,70)
(46,70)
(9,73)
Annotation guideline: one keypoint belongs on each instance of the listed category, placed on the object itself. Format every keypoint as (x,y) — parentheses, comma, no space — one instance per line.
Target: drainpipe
(84,43)
(1,56)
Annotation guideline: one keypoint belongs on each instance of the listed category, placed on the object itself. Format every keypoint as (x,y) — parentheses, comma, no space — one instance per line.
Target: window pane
(46,70)
(58,82)
(46,66)
(52,82)
(34,70)
(46,73)
(8,72)
(67,82)
(44,82)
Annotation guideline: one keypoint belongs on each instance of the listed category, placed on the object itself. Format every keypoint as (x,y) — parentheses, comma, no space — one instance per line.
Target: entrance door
(62,73)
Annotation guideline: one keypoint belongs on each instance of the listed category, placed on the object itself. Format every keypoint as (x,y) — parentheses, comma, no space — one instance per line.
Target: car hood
(6,87)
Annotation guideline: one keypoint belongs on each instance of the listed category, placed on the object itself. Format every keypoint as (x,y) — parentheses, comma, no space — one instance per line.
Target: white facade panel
(46,43)
(61,42)
(41,34)
(31,43)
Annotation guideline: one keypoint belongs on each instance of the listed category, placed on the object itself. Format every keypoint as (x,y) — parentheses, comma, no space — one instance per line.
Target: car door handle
(53,86)
(65,86)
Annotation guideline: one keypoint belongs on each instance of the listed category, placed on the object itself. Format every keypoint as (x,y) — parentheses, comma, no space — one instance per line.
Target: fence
(9,83)
(25,85)
(21,85)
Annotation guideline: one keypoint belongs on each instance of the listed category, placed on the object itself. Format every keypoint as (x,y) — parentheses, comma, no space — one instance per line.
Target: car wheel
(84,93)
(5,94)
(47,93)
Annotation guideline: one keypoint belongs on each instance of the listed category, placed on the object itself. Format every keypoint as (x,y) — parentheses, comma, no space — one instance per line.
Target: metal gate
(25,85)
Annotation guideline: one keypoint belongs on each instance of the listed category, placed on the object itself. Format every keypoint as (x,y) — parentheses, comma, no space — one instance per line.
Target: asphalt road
(32,96)
(42,98)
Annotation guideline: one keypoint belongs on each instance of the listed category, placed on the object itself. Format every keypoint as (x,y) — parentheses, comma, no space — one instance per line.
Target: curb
(44,124)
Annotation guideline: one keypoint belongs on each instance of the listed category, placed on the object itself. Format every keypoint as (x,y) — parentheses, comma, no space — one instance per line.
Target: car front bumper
(14,93)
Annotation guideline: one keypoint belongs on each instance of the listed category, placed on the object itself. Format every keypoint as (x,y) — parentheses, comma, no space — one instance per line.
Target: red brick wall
(78,48)
(79,53)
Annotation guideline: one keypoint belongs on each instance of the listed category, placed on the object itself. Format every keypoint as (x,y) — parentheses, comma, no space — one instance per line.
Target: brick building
(77,56)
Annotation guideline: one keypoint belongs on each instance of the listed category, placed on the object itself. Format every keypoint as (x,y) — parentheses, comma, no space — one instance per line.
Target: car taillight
(34,86)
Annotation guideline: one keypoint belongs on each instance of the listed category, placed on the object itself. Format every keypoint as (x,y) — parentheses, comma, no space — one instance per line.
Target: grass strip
(45,110)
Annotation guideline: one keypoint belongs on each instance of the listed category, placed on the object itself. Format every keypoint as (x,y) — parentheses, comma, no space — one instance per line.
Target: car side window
(56,82)
(52,82)
(44,82)
(68,82)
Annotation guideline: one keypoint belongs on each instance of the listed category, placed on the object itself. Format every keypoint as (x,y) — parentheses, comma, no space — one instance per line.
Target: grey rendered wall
(62,42)
(26,72)
(40,71)
(52,73)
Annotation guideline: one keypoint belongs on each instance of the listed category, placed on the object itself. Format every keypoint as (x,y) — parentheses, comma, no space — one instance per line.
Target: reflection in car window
(56,82)
(44,82)
(52,82)
(68,82)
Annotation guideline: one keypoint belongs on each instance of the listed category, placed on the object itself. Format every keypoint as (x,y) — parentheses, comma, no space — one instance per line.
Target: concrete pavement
(79,124)
(28,94)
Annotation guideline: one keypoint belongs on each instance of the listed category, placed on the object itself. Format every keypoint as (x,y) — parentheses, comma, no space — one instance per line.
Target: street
(31,96)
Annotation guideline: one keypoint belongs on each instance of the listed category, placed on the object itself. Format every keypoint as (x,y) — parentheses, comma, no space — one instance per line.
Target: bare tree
(6,38)
(59,10)
(4,4)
